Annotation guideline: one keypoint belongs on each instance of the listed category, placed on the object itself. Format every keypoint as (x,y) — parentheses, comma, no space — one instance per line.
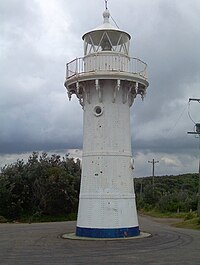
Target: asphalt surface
(41,243)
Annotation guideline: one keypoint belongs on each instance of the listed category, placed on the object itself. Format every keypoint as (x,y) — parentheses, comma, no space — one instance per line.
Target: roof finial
(106,13)
(106,4)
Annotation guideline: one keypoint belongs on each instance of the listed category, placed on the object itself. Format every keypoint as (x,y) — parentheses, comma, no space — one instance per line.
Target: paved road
(31,244)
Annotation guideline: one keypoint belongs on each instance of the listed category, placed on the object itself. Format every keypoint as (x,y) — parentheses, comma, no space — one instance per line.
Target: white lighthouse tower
(106,81)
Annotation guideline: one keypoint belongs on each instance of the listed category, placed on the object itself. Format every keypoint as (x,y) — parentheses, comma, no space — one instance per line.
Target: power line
(177,121)
(192,99)
(189,112)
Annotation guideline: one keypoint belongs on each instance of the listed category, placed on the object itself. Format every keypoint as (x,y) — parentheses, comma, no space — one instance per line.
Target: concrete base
(74,237)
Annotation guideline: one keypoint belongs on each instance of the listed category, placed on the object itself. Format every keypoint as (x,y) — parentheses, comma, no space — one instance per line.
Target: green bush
(169,193)
(48,185)
(190,215)
(3,219)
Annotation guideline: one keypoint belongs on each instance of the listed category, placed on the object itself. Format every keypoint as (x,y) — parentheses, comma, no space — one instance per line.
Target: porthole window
(98,110)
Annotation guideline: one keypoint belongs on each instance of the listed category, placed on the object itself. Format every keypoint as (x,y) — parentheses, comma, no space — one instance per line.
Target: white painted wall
(107,198)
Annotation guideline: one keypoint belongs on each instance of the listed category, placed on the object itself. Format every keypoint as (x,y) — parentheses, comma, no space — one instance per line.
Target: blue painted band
(107,232)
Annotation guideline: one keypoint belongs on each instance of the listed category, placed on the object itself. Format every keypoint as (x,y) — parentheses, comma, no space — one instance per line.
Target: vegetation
(169,194)
(46,188)
(190,221)
(157,214)
(43,187)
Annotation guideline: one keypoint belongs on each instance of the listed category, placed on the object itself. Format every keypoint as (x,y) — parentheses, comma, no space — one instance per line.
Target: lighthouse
(106,81)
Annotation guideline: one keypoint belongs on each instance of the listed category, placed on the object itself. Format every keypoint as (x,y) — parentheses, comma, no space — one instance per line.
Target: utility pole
(153,162)
(197,133)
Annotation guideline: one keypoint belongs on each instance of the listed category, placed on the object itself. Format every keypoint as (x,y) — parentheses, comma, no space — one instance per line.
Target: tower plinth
(106,81)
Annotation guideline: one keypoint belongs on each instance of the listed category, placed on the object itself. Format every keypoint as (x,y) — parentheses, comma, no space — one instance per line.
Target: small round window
(98,110)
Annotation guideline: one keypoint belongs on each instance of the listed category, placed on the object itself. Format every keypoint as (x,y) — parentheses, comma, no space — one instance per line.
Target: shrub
(3,219)
(189,216)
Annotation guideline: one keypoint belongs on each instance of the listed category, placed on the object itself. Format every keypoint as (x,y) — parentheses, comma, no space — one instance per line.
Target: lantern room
(106,38)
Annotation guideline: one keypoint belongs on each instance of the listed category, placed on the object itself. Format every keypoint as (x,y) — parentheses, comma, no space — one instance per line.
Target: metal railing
(109,62)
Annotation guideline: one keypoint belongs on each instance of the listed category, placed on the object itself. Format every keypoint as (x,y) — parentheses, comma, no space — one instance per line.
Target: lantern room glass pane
(106,40)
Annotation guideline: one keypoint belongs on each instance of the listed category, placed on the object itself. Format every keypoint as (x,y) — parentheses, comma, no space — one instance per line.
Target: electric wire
(189,113)
(177,121)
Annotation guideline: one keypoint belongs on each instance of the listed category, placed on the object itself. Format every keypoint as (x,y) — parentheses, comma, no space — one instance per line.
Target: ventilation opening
(98,110)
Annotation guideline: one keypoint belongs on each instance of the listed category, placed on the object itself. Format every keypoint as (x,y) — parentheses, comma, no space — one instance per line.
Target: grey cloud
(34,110)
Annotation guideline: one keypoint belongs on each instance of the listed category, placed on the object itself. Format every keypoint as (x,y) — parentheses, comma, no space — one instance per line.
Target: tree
(45,184)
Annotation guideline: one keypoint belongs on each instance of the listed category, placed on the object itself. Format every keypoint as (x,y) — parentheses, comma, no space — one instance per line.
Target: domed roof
(106,26)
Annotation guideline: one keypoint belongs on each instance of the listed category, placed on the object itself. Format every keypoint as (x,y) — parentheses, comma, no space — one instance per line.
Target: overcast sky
(37,39)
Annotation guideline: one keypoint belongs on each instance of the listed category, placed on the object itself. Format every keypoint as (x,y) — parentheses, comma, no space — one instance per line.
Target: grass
(157,214)
(193,223)
(46,218)
(190,220)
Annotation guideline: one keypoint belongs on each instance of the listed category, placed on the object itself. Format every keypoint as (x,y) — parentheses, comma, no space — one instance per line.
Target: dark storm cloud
(165,146)
(34,113)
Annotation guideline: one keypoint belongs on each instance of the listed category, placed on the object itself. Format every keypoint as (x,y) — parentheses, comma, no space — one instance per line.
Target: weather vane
(106,4)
